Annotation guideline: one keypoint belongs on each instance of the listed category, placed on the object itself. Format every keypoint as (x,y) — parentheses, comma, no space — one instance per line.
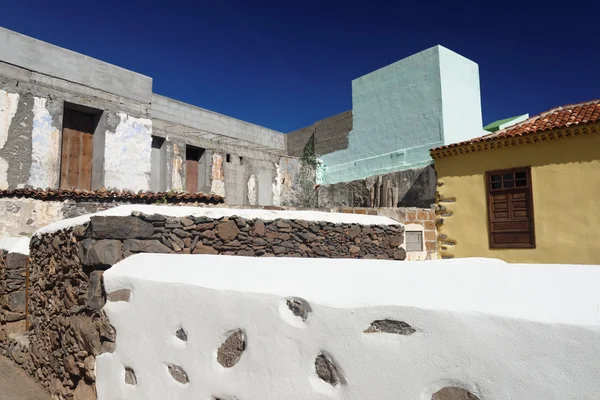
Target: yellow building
(529,193)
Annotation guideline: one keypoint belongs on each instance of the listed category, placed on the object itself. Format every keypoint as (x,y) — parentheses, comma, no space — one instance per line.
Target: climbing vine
(307,191)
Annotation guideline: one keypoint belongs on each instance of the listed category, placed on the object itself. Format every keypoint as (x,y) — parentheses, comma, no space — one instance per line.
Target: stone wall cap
(218,212)
(15,245)
(474,286)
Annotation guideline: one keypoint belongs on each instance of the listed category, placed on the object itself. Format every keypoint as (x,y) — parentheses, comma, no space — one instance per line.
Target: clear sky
(285,65)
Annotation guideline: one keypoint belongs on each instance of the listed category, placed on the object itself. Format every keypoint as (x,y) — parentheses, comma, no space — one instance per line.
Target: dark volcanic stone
(120,228)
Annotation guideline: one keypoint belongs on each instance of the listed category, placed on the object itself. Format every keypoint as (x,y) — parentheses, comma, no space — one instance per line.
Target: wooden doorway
(77,150)
(192,161)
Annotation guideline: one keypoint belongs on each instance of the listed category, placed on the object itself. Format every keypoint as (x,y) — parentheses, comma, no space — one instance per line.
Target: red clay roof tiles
(122,195)
(559,117)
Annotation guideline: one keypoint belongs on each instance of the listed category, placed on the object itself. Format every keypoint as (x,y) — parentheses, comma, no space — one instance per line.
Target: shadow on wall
(410,188)
(421,192)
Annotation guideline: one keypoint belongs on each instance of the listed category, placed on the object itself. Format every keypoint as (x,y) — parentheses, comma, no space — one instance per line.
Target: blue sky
(286,64)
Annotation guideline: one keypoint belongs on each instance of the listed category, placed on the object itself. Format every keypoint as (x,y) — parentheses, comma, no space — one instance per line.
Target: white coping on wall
(217,212)
(502,331)
(15,245)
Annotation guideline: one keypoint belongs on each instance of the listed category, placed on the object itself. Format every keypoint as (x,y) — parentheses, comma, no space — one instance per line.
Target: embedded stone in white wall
(463,329)
(453,393)
(231,350)
(45,148)
(326,370)
(127,154)
(252,190)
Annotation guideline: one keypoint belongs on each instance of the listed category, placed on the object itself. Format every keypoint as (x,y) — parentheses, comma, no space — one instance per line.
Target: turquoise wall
(398,115)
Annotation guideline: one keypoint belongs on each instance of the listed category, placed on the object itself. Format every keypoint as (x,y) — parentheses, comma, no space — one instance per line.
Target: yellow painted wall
(565,175)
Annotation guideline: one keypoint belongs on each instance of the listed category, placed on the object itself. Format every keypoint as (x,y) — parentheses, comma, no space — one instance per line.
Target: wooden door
(191,180)
(77,150)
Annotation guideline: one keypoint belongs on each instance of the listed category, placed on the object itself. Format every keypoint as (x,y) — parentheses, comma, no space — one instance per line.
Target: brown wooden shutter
(510,209)
(192,158)
(191,180)
(76,150)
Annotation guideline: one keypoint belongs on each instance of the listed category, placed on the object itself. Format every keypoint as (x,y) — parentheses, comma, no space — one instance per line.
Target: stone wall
(12,296)
(413,218)
(67,327)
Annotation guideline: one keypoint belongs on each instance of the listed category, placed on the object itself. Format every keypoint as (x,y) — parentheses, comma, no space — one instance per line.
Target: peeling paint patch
(217,185)
(277,186)
(252,190)
(127,154)
(177,170)
(45,148)
(8,109)
(3,174)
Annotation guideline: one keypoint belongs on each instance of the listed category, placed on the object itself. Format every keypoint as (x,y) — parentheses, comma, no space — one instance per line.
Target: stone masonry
(67,326)
(12,296)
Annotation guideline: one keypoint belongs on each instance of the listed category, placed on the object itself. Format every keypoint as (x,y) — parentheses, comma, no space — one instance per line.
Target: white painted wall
(461,97)
(45,148)
(15,245)
(502,331)
(127,154)
(8,109)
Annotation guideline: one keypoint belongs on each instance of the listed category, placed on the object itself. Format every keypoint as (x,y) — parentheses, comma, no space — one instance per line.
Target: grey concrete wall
(410,188)
(57,62)
(331,134)
(158,182)
(196,121)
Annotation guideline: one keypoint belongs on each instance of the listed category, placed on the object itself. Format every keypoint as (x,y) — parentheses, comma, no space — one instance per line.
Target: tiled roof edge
(112,195)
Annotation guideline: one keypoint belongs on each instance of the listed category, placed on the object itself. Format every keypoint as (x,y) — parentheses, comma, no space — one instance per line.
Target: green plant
(307,194)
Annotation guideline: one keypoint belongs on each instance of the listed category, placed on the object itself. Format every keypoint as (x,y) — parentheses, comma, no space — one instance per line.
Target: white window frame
(415,255)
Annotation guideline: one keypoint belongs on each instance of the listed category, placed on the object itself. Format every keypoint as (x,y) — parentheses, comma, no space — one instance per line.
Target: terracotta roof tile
(113,194)
(559,117)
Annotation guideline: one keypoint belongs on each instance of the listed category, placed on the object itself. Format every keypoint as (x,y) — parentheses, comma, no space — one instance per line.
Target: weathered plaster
(16,151)
(252,190)
(127,154)
(3,174)
(277,183)
(217,185)
(22,217)
(45,148)
(8,109)
(175,165)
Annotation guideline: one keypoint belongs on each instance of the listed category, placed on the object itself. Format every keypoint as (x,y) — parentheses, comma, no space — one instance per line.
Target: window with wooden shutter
(510,209)
(77,150)
(193,155)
